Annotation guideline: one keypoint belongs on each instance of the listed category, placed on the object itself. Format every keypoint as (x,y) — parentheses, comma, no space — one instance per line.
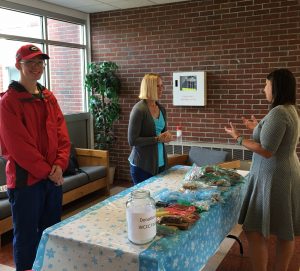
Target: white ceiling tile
(166,1)
(95,8)
(72,3)
(91,6)
(134,4)
(111,2)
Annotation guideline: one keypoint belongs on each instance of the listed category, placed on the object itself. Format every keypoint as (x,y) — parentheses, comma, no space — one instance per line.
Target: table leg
(238,240)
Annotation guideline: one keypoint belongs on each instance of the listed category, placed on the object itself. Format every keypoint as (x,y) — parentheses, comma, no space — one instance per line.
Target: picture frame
(189,88)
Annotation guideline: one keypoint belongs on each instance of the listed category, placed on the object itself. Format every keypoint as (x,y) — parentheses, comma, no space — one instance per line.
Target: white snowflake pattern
(175,263)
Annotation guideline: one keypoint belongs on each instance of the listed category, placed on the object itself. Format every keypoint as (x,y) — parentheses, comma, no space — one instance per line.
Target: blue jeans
(139,175)
(34,208)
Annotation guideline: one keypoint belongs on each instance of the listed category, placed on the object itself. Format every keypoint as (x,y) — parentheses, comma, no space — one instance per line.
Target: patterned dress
(272,202)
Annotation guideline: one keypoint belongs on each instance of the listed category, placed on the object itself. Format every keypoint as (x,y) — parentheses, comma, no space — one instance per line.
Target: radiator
(235,152)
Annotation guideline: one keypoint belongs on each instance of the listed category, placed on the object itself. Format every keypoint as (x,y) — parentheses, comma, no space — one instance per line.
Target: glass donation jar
(141,217)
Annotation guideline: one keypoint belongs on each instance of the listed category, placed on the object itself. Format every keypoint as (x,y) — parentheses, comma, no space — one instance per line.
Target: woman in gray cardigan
(147,131)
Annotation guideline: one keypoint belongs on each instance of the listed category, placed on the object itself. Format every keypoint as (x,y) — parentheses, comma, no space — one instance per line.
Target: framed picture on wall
(189,88)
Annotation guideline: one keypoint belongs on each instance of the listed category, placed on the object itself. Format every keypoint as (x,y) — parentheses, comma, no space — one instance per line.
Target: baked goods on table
(200,189)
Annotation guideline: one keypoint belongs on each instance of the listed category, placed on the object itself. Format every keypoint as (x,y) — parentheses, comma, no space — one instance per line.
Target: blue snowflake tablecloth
(96,238)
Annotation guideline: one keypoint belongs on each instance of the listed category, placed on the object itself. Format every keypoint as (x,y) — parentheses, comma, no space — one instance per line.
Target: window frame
(45,42)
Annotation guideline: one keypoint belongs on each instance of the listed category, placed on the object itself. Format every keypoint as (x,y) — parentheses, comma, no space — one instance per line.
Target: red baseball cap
(29,51)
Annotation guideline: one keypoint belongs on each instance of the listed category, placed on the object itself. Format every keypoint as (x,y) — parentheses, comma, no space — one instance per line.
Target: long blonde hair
(148,88)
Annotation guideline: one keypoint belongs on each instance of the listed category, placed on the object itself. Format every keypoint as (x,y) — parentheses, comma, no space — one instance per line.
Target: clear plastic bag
(199,177)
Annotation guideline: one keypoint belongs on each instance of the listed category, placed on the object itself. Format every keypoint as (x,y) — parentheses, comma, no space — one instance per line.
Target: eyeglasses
(31,63)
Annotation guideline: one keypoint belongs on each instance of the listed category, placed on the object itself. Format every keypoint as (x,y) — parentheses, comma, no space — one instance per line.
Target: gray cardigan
(141,137)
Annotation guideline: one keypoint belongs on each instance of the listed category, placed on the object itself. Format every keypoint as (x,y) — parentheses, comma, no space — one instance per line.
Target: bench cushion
(3,193)
(73,181)
(95,172)
(2,170)
(5,210)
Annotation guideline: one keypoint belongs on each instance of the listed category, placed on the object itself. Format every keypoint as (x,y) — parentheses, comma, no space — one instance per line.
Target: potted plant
(103,86)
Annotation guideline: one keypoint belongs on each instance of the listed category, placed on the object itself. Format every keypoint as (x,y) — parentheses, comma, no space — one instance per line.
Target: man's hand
(56,175)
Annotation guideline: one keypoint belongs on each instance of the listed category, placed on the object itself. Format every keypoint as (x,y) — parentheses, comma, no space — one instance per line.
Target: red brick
(237,42)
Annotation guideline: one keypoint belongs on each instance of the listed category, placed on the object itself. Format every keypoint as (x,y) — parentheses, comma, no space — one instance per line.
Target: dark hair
(283,87)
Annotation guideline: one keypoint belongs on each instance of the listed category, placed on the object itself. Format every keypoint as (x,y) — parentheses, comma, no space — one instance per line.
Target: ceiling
(91,6)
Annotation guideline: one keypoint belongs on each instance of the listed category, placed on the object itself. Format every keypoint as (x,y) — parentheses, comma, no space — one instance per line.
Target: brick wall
(66,74)
(66,66)
(237,42)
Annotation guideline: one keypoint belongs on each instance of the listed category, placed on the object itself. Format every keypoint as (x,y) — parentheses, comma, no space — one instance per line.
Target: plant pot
(111,174)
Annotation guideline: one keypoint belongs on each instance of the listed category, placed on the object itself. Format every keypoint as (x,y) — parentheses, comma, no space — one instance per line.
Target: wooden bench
(86,157)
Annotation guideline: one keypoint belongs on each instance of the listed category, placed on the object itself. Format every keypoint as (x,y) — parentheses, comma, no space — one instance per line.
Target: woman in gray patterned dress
(272,202)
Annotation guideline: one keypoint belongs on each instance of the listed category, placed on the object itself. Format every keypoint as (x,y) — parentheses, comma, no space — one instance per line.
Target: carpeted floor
(235,262)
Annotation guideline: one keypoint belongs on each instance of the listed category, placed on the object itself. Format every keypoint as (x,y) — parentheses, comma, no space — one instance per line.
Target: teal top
(159,127)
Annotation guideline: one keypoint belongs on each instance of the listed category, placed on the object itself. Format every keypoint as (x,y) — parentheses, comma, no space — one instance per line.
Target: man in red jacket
(35,141)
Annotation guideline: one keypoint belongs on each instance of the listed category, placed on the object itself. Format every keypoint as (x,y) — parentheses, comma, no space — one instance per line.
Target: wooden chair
(181,159)
(177,159)
(234,164)
(203,156)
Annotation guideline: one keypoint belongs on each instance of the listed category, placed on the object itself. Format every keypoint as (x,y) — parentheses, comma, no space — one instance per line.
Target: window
(64,31)
(61,37)
(8,71)
(20,24)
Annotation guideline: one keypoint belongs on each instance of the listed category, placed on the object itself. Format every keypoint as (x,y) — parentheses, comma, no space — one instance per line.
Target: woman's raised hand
(232,131)
(250,124)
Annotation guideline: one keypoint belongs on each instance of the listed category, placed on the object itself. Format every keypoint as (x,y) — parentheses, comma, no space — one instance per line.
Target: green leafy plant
(103,87)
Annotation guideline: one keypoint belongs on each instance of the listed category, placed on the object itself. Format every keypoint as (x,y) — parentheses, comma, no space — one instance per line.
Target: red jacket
(33,135)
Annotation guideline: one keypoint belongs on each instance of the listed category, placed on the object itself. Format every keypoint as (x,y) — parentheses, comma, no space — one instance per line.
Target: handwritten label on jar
(141,224)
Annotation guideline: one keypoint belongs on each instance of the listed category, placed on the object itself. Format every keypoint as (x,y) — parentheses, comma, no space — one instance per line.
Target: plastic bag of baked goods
(194,174)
